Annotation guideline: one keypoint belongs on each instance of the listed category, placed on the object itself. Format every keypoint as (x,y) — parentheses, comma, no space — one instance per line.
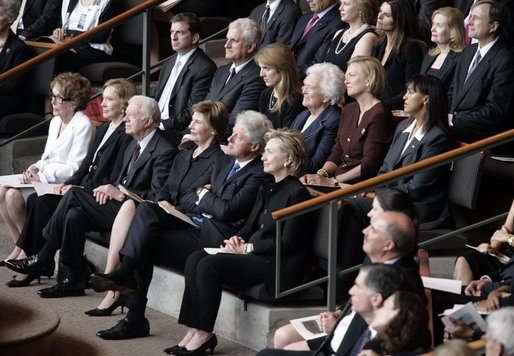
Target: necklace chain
(272,100)
(339,50)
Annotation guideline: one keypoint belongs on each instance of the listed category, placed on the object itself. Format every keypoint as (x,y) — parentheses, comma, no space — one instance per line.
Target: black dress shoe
(31,265)
(209,344)
(105,312)
(125,330)
(61,290)
(13,283)
(117,280)
(174,349)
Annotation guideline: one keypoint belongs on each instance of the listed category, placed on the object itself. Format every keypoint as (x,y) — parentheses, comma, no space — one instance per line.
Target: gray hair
(251,31)
(383,279)
(332,80)
(149,108)
(500,324)
(11,8)
(255,125)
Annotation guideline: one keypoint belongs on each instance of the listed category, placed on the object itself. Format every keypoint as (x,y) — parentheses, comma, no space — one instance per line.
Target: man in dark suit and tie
(184,80)
(39,18)
(238,84)
(146,164)
(482,91)
(313,33)
(223,199)
(277,19)
(373,285)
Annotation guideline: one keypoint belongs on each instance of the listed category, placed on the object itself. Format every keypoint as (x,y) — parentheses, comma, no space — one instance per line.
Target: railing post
(332,255)
(278,257)
(147,21)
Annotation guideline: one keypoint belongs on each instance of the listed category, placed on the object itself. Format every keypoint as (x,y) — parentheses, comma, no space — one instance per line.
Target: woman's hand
(485,248)
(494,298)
(501,235)
(316,179)
(462,331)
(59,33)
(166,203)
(233,244)
(399,113)
(29,176)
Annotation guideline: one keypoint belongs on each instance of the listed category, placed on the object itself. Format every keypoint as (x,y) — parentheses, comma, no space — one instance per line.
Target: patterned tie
(474,65)
(135,154)
(265,18)
(359,345)
(235,167)
(309,26)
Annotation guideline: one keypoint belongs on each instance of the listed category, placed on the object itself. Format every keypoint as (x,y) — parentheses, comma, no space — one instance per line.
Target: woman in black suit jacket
(400,49)
(448,34)
(323,89)
(251,254)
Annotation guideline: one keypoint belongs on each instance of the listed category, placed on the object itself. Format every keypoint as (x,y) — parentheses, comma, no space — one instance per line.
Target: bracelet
(323,172)
(246,249)
(336,182)
(510,241)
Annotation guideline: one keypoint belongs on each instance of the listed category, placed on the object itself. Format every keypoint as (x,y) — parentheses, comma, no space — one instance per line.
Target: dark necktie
(135,154)
(265,18)
(309,26)
(474,65)
(363,339)
(235,167)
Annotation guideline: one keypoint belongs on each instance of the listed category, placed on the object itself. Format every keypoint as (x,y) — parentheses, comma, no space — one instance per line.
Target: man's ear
(251,48)
(255,147)
(196,38)
(389,245)
(377,301)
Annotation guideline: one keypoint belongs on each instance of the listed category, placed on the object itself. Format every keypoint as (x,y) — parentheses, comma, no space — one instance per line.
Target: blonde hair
(279,57)
(124,89)
(74,87)
(216,115)
(457,30)
(374,71)
(293,145)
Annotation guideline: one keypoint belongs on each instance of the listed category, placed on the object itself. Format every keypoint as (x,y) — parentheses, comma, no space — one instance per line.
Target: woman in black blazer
(448,34)
(209,124)
(400,49)
(250,256)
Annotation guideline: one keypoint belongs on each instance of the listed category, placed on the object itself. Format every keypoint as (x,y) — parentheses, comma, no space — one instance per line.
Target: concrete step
(16,156)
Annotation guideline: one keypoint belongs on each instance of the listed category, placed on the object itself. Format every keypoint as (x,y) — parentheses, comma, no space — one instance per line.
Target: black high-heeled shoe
(174,349)
(209,344)
(105,312)
(13,283)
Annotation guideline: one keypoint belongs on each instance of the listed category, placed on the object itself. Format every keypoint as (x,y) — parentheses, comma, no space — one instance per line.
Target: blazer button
(348,139)
(262,226)
(265,211)
(94,168)
(347,156)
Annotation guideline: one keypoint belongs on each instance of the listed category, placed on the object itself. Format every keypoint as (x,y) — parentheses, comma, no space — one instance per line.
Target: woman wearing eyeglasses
(68,140)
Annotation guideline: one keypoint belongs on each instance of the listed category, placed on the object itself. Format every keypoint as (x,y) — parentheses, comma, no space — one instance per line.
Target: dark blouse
(445,73)
(185,171)
(344,56)
(287,113)
(365,144)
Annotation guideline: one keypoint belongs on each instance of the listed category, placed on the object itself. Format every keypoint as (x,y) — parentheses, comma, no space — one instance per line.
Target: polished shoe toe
(31,265)
(105,312)
(15,283)
(174,349)
(126,330)
(125,283)
(62,290)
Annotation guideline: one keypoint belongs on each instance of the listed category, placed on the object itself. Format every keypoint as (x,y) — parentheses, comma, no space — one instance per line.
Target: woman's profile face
(385,314)
(414,101)
(440,30)
(376,209)
(385,21)
(349,11)
(111,104)
(273,160)
(355,80)
(270,75)
(200,129)
(312,94)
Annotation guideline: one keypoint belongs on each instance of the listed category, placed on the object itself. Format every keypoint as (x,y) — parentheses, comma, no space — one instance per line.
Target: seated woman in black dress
(281,101)
(400,48)
(252,251)
(448,34)
(359,38)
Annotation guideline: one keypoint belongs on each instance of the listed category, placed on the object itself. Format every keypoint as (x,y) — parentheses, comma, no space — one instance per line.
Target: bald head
(400,229)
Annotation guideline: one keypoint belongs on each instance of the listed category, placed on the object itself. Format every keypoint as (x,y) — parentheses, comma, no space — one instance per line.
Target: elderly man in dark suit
(39,18)
(277,19)
(238,84)
(223,199)
(184,80)
(147,161)
(313,33)
(482,91)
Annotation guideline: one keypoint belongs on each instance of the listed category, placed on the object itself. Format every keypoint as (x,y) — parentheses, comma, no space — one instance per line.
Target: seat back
(465,179)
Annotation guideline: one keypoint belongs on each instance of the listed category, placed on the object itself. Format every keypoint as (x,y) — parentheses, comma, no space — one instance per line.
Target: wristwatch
(336,182)
(199,190)
(510,241)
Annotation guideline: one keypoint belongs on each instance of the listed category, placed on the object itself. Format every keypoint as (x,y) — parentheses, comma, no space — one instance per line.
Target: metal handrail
(334,197)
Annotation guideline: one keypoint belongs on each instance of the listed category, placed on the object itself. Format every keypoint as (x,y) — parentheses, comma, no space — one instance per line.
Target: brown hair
(216,115)
(374,71)
(368,10)
(191,19)
(74,87)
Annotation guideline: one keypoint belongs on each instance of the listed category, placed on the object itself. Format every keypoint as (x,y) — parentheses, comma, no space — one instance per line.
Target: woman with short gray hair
(322,90)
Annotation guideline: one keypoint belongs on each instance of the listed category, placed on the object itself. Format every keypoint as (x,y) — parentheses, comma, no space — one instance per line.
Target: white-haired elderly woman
(322,90)
(12,53)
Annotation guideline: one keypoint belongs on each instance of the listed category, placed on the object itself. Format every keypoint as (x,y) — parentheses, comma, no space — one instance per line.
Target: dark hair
(497,13)
(383,279)
(191,19)
(216,115)
(437,106)
(394,199)
(406,25)
(408,330)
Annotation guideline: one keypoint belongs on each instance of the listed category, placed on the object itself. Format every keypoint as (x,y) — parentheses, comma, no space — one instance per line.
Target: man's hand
(475,287)
(107,192)
(462,331)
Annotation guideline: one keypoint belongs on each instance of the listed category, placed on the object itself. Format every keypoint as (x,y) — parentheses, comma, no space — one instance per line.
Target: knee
(14,198)
(283,336)
(3,191)
(74,215)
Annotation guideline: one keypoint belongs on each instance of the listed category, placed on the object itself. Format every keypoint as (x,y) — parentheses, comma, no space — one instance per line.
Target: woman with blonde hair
(448,34)
(281,101)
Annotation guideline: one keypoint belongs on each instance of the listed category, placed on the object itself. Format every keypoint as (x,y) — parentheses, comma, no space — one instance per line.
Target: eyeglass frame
(58,99)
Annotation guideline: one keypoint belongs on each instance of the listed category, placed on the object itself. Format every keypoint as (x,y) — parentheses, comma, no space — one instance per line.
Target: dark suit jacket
(260,230)
(228,201)
(280,26)
(320,135)
(108,162)
(426,189)
(151,168)
(445,73)
(40,18)
(241,93)
(482,106)
(317,41)
(399,69)
(191,87)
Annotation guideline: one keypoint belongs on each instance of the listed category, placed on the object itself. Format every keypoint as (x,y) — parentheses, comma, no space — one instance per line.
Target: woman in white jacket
(69,136)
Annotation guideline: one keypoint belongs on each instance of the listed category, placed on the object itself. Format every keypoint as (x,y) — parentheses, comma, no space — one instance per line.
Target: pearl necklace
(339,50)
